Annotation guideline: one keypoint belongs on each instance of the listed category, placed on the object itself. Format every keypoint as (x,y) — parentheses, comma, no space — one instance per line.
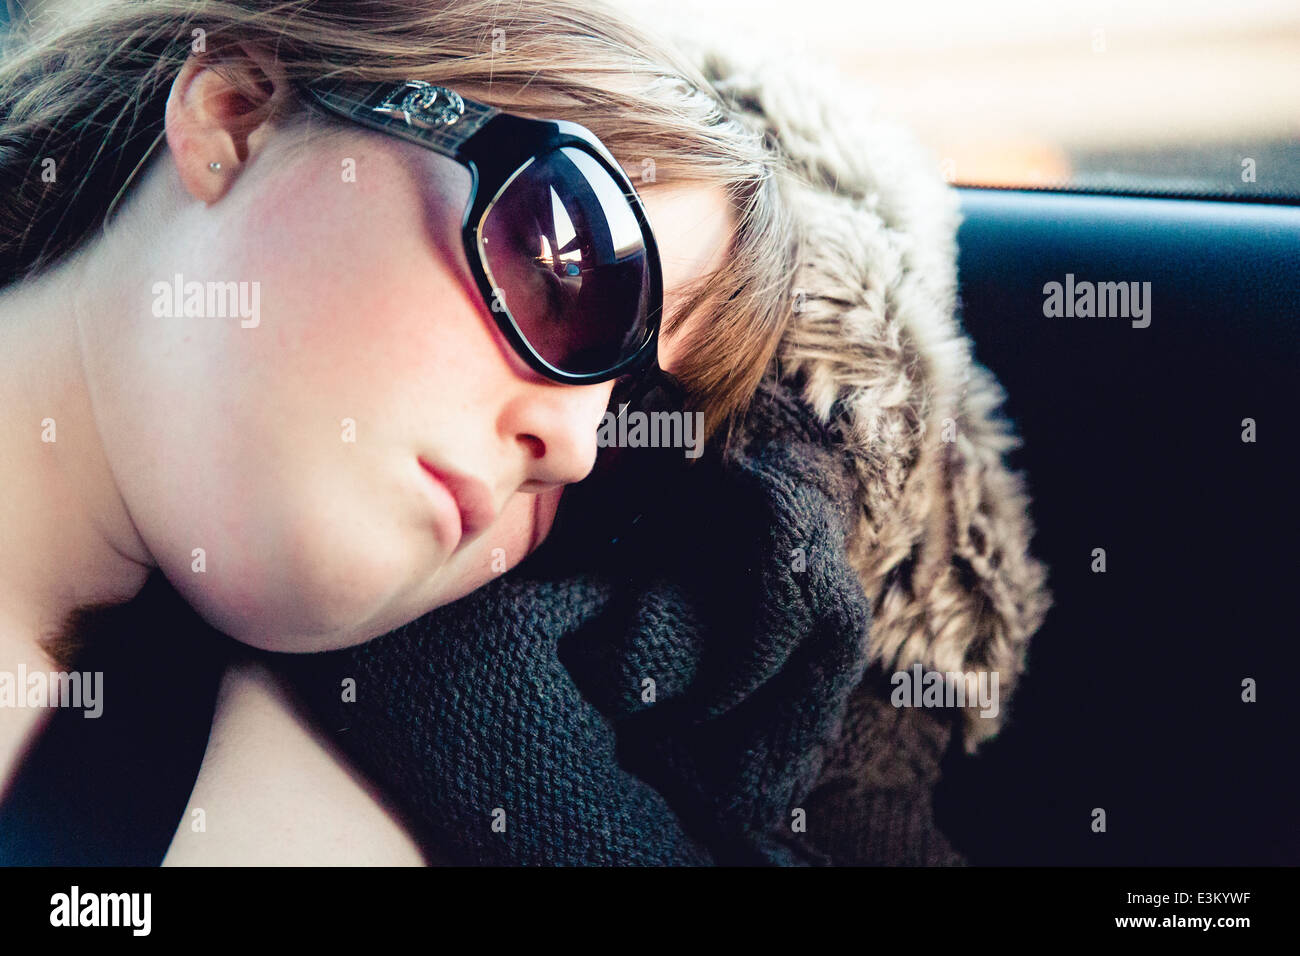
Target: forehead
(693,225)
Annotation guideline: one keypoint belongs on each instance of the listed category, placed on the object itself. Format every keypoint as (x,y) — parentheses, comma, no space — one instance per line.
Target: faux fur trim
(943,530)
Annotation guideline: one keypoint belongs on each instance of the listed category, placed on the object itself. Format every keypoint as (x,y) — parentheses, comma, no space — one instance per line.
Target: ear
(221,110)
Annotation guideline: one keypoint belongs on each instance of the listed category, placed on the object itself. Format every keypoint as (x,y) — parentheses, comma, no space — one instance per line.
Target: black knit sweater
(658,684)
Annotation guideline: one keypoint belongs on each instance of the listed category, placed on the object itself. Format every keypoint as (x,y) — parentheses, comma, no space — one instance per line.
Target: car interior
(1159,448)
(1172,447)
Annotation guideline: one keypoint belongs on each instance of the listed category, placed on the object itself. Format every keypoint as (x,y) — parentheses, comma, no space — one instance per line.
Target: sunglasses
(554,232)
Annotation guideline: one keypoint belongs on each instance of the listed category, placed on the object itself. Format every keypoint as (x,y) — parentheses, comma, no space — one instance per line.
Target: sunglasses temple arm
(654,378)
(376,106)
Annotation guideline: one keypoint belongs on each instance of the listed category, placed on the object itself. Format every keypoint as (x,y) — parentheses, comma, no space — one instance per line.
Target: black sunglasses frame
(495,146)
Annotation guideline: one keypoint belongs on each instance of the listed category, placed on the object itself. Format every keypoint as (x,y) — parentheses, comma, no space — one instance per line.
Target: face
(279,473)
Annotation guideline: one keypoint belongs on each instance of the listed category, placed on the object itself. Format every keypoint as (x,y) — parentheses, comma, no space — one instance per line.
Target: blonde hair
(90,94)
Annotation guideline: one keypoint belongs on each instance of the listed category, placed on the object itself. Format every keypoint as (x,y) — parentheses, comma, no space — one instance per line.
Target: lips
(473,499)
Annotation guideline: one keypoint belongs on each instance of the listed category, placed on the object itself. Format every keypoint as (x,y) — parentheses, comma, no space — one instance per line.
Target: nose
(555,426)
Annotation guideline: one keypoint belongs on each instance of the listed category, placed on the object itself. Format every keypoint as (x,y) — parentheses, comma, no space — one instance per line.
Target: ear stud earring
(215,167)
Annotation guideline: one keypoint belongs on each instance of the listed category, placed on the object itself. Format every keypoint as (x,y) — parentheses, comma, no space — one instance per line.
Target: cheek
(283,450)
(356,287)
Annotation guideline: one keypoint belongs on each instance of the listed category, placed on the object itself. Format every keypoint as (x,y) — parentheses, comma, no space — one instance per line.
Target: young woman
(246,345)
(243,343)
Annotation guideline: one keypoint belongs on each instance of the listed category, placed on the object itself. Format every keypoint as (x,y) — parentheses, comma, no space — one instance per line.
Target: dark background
(1132,700)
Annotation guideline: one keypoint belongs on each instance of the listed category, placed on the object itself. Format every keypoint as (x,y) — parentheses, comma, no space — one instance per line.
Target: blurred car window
(1190,97)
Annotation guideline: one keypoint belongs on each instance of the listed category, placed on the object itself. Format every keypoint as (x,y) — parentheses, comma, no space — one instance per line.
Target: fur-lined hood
(942,532)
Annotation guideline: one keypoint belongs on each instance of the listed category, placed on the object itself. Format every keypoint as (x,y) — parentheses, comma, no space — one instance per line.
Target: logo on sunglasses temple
(423,105)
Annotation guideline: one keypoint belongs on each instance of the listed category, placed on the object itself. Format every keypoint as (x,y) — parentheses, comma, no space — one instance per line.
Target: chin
(274,612)
(298,643)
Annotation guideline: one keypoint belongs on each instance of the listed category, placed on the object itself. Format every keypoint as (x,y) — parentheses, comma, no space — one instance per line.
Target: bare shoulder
(273,790)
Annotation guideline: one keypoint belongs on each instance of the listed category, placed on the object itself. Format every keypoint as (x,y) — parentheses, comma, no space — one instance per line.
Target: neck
(66,539)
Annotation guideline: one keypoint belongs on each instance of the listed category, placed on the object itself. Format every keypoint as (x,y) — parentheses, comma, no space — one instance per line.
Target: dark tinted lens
(565,254)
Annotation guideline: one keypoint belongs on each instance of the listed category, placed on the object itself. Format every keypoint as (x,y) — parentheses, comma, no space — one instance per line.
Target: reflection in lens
(563,247)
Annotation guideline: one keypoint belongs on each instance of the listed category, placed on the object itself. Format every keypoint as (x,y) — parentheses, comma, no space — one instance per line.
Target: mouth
(471,508)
